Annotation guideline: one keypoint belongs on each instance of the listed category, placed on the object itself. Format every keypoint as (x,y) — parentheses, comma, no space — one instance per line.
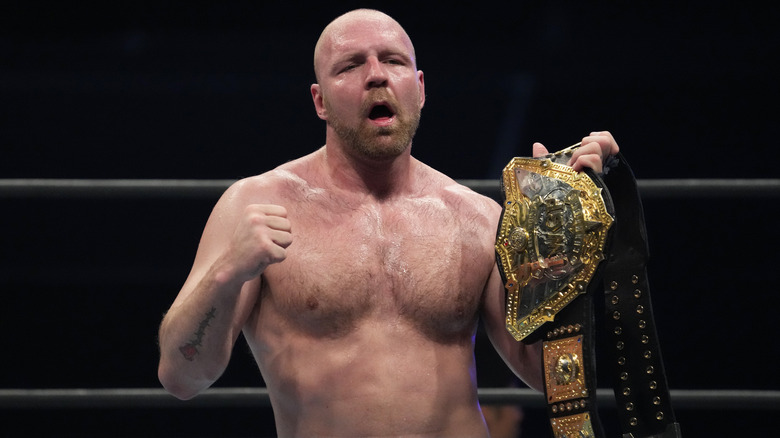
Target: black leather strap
(634,355)
(573,325)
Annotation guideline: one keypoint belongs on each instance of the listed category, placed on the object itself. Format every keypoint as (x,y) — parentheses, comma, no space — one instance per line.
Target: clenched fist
(261,238)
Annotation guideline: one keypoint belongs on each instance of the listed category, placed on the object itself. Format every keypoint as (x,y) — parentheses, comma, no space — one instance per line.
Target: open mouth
(381,112)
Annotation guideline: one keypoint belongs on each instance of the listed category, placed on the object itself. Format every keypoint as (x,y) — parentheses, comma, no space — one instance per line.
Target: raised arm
(198,332)
(524,360)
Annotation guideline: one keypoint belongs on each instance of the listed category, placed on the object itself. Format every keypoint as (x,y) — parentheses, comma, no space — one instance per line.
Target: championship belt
(563,236)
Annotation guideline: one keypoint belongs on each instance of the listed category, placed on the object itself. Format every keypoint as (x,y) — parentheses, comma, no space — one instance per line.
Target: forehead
(358,33)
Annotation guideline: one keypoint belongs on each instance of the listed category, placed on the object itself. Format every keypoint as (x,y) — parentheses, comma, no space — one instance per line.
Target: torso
(367,326)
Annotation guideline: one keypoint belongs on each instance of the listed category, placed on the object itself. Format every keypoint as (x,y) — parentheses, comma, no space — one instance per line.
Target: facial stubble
(376,142)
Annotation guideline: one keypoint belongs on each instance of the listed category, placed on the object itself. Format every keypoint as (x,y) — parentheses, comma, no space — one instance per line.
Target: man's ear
(319,105)
(421,82)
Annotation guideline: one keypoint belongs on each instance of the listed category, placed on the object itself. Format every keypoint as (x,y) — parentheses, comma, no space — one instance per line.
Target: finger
(276,254)
(539,150)
(589,148)
(272,210)
(278,223)
(605,140)
(281,238)
(590,161)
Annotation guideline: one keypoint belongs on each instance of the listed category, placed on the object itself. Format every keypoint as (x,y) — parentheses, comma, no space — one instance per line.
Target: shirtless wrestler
(356,273)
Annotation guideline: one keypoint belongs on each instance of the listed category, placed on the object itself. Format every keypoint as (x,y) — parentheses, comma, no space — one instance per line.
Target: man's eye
(349,67)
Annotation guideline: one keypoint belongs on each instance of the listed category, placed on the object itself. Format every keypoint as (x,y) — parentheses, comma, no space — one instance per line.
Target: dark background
(220,90)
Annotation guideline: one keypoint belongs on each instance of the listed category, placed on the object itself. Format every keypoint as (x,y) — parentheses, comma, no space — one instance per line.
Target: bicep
(524,360)
(214,243)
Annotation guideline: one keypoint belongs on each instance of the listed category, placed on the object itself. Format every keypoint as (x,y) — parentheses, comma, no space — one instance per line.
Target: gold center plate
(550,241)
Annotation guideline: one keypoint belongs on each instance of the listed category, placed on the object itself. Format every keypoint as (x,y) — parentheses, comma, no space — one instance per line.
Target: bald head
(337,31)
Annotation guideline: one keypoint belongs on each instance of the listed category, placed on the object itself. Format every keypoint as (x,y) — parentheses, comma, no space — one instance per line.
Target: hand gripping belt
(563,236)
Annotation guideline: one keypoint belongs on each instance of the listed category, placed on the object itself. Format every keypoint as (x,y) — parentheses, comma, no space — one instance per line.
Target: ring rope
(258,397)
(213,188)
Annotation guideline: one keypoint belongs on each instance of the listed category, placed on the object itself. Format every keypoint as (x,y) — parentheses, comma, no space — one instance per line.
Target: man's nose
(376,75)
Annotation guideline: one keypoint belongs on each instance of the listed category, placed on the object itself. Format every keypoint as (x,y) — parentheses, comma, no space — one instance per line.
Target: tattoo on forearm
(190,349)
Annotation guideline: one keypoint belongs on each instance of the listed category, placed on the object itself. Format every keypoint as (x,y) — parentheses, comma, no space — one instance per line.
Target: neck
(380,179)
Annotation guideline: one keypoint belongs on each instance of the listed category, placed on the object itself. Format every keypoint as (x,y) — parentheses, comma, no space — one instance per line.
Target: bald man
(356,273)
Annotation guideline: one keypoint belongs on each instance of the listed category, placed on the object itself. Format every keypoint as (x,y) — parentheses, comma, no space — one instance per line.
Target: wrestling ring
(757,401)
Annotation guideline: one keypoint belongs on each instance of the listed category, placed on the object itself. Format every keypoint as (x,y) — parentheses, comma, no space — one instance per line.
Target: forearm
(530,367)
(523,359)
(197,335)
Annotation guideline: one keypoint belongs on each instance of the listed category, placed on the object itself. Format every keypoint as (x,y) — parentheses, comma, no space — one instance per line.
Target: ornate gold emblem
(550,240)
(567,368)
(563,369)
(572,426)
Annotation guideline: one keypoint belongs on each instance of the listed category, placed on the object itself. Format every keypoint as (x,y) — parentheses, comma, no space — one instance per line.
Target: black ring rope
(127,398)
(189,188)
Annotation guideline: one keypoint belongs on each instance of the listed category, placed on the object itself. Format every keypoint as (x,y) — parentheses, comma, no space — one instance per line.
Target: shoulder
(472,206)
(459,197)
(277,185)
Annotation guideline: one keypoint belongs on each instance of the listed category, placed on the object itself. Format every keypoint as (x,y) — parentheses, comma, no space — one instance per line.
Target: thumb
(539,150)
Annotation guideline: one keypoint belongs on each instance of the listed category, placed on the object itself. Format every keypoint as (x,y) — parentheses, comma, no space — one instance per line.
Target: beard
(377,142)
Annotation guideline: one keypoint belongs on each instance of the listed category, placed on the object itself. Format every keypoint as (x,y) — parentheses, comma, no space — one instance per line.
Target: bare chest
(422,265)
